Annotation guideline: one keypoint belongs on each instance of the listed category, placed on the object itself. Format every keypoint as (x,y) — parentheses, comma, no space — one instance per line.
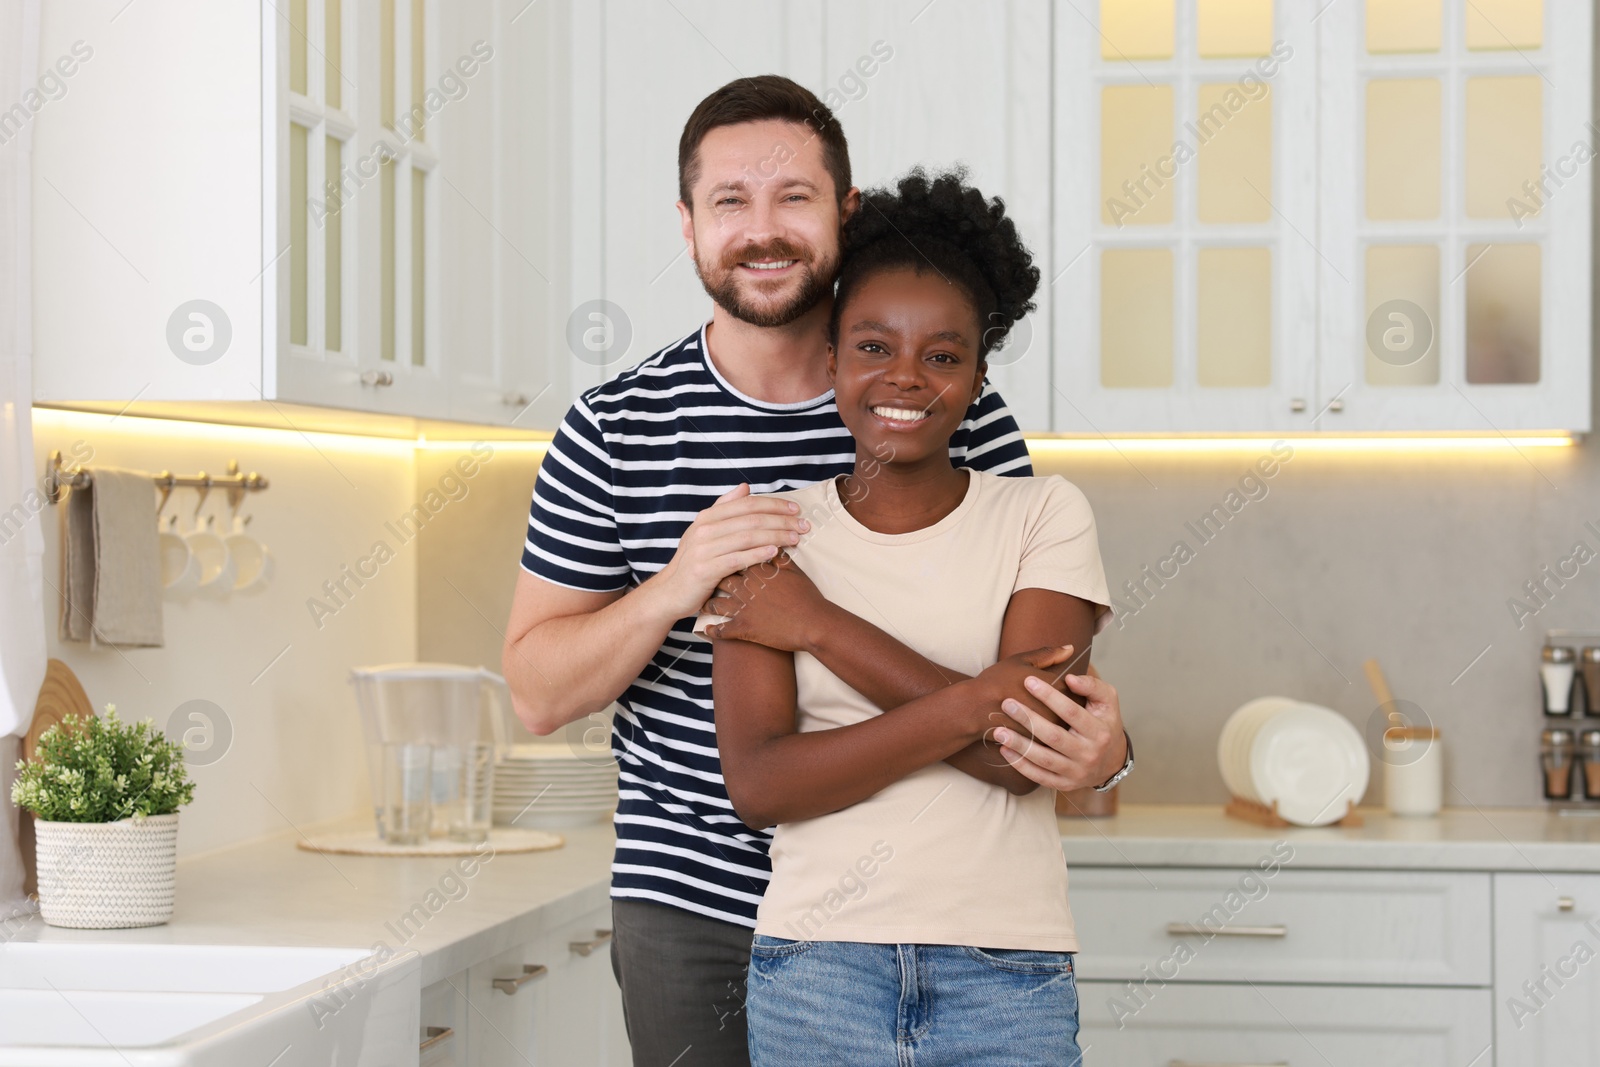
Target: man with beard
(650,496)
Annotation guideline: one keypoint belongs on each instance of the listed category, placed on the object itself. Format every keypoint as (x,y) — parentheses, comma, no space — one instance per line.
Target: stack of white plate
(1308,759)
(548,786)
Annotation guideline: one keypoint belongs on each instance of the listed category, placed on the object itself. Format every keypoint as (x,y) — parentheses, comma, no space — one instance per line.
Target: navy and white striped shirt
(634,462)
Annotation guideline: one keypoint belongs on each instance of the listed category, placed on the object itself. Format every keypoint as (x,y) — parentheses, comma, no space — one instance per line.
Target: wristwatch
(1127,768)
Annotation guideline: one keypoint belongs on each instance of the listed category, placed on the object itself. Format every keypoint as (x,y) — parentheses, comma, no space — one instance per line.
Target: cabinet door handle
(515,400)
(530,971)
(1196,930)
(434,1035)
(1565,903)
(377,377)
(1297,404)
(584,948)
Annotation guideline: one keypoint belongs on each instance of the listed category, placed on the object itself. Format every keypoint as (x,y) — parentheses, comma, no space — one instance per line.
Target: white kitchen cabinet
(505,998)
(583,1022)
(321,201)
(552,1001)
(889,75)
(1546,986)
(1237,1024)
(657,61)
(1185,187)
(505,216)
(1455,247)
(1350,927)
(443,1040)
(885,70)
(1283,217)
(1275,964)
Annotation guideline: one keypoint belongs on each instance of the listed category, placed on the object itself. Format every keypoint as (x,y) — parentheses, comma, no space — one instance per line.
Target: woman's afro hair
(942,224)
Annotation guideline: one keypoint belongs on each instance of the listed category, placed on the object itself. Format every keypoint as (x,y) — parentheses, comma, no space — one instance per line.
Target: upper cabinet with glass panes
(1290,217)
(312,202)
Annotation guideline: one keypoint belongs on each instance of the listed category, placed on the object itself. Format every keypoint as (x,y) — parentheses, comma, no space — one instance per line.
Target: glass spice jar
(1555,758)
(1557,679)
(1589,751)
(1589,680)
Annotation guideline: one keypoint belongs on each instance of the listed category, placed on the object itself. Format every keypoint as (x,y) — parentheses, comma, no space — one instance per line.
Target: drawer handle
(584,948)
(434,1035)
(1196,930)
(530,971)
(1565,903)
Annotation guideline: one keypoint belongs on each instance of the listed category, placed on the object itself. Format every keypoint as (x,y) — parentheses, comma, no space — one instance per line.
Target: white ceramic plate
(1312,761)
(1243,739)
(1233,745)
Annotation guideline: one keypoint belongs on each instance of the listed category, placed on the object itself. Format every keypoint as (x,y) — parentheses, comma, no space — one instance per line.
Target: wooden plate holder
(1263,815)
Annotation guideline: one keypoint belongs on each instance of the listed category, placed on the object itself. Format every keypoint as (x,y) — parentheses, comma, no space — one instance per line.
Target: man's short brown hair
(758,99)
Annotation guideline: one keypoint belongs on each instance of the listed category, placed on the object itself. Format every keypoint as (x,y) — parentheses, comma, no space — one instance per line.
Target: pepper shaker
(1589,749)
(1557,677)
(1555,757)
(1589,680)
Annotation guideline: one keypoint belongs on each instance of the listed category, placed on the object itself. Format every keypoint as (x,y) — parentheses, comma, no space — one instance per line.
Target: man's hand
(772,603)
(1087,751)
(737,531)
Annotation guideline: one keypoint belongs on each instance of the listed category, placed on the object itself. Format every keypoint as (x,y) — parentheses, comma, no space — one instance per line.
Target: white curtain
(22,635)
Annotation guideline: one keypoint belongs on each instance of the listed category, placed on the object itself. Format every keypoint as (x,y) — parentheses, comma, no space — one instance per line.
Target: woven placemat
(366,843)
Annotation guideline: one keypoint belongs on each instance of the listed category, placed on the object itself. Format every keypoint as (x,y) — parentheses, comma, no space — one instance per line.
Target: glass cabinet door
(1455,210)
(1186,217)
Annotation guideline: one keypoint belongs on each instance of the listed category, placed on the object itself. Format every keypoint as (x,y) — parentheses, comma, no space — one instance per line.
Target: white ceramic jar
(1413,770)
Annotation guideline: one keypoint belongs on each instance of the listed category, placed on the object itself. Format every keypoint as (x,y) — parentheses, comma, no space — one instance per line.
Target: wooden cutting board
(61,698)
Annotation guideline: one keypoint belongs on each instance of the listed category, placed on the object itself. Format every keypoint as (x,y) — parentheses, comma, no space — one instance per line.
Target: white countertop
(1462,839)
(269,892)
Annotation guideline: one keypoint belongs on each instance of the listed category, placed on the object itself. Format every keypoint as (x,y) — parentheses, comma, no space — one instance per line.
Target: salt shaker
(1555,757)
(1556,675)
(1413,770)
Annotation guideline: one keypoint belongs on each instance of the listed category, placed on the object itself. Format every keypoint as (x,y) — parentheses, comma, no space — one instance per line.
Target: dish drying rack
(1263,815)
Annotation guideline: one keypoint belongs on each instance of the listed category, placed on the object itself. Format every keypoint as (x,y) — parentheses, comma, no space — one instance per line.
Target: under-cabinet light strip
(1038,444)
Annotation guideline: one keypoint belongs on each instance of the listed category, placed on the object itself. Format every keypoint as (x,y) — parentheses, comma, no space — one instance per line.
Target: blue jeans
(826,1003)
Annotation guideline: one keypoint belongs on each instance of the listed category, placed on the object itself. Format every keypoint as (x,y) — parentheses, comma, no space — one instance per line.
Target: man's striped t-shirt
(634,462)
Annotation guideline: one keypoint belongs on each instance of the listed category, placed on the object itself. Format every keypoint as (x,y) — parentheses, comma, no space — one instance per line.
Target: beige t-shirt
(938,857)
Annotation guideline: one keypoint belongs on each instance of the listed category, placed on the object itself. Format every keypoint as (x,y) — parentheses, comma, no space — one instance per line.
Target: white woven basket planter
(107,875)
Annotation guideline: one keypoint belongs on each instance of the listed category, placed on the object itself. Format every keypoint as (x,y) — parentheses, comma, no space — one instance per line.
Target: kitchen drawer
(444,1023)
(1314,1026)
(1356,927)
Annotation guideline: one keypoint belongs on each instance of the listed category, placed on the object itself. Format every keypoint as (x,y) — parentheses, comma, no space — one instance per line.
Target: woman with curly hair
(917,912)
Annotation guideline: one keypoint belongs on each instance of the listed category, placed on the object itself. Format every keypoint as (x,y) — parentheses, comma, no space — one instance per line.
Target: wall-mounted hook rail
(58,478)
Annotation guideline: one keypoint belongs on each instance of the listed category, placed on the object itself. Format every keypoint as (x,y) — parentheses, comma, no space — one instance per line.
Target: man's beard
(722,283)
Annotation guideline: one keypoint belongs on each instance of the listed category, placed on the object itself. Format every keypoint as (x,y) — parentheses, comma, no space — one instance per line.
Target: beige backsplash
(1409,558)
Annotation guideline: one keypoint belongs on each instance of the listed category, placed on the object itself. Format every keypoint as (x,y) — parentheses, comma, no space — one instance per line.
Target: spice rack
(1569,744)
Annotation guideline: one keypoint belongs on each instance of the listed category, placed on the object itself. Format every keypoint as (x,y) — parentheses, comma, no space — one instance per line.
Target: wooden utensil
(1380,689)
(61,698)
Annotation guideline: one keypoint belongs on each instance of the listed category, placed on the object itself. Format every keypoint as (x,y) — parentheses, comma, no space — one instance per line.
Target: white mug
(180,570)
(253,563)
(216,563)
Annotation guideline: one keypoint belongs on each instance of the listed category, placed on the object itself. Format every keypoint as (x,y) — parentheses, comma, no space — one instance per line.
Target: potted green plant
(106,794)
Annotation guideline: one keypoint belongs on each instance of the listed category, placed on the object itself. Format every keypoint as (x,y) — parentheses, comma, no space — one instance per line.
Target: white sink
(159,1005)
(72,1018)
(167,968)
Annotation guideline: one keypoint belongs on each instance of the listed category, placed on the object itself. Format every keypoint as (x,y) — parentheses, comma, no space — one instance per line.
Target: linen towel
(111,562)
